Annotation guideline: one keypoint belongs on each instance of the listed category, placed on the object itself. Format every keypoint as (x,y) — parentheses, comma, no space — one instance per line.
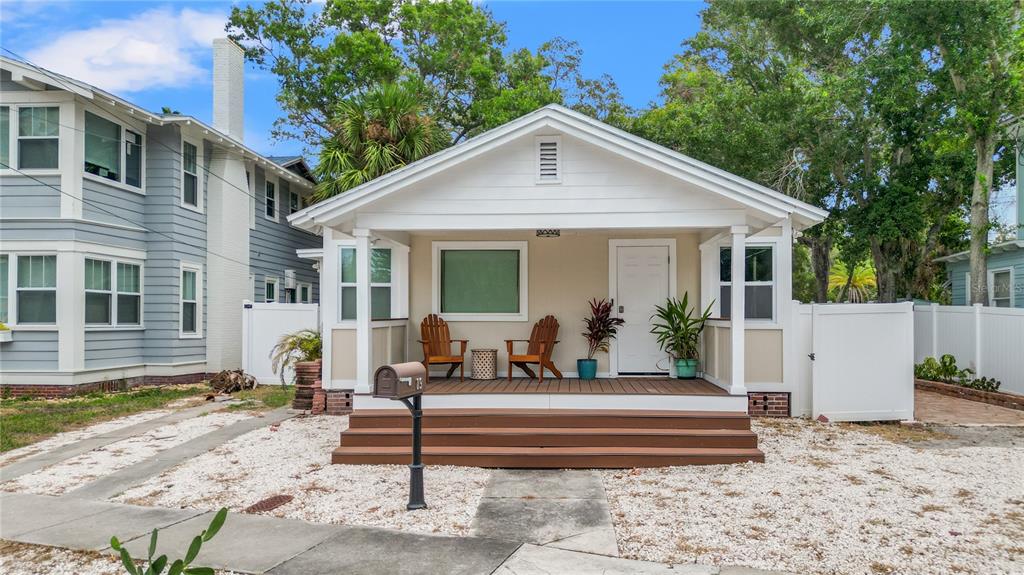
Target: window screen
(480,281)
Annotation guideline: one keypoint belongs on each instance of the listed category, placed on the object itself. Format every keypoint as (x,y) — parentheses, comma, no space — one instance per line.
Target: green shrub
(178,566)
(945,370)
(983,384)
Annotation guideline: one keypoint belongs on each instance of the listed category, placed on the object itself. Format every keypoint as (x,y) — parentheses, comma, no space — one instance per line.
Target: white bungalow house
(536,217)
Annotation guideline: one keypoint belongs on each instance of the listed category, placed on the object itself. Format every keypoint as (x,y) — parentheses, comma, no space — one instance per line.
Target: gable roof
(577,125)
(1010,246)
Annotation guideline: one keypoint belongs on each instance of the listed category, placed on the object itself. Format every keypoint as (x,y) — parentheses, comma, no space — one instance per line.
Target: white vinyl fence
(851,362)
(262,325)
(989,340)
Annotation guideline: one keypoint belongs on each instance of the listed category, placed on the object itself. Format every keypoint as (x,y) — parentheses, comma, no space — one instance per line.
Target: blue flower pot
(686,368)
(586,368)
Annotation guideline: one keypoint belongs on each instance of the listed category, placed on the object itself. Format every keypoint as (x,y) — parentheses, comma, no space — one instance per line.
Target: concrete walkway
(120,481)
(36,462)
(260,544)
(566,509)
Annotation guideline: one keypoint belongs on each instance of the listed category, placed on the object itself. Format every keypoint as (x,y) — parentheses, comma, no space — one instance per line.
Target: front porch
(568,385)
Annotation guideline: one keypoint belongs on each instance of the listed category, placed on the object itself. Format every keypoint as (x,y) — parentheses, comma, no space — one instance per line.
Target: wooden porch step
(533,418)
(551,437)
(549,457)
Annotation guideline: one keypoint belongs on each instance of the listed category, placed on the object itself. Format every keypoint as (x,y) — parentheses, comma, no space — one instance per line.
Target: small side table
(485,364)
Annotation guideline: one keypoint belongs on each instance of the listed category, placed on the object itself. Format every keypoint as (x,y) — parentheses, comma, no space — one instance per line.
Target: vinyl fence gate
(263,324)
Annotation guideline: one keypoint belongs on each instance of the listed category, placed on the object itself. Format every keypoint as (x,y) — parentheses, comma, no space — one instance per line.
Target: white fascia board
(996,249)
(27,71)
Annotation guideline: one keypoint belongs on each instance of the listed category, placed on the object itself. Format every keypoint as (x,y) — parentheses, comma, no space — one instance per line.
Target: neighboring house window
(129,294)
(5,262)
(98,293)
(190,175)
(38,137)
(293,202)
(380,283)
(1002,288)
(759,295)
(37,289)
(305,293)
(290,294)
(133,159)
(270,290)
(480,281)
(271,201)
(5,137)
(191,313)
(102,148)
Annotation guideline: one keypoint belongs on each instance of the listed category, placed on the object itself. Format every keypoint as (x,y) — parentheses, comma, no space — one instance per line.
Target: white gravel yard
(832,499)
(294,460)
(69,437)
(77,471)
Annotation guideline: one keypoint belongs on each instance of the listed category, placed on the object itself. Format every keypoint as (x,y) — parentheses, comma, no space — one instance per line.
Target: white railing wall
(989,340)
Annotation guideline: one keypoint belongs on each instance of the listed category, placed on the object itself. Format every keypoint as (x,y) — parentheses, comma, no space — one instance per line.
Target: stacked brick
(768,404)
(339,401)
(55,391)
(307,378)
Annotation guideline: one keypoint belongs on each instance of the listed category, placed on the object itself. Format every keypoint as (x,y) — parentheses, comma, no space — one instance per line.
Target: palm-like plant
(855,287)
(678,329)
(302,345)
(600,327)
(374,133)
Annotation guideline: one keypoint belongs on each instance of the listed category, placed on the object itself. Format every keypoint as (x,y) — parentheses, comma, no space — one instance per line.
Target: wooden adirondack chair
(437,346)
(538,349)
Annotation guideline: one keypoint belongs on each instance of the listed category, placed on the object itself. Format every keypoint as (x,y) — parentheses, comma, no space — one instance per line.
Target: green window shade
(5,136)
(38,130)
(348,302)
(97,275)
(4,288)
(480,281)
(380,303)
(102,147)
(133,159)
(758,264)
(37,271)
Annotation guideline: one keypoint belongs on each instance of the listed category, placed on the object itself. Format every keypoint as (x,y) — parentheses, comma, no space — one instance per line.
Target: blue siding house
(125,254)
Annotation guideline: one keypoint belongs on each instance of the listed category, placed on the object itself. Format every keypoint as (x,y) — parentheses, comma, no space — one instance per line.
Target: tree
(852,283)
(451,54)
(374,133)
(976,53)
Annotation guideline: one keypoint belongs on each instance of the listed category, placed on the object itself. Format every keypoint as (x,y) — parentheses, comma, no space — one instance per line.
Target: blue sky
(158,53)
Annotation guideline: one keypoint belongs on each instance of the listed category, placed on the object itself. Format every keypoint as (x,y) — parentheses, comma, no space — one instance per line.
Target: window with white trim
(38,137)
(1001,282)
(270,195)
(759,295)
(36,289)
(190,175)
(380,283)
(305,293)
(129,294)
(5,299)
(293,202)
(191,313)
(106,151)
(98,293)
(480,281)
(5,137)
(270,290)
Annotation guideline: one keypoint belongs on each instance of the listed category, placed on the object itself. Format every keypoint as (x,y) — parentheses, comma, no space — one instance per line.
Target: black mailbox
(400,380)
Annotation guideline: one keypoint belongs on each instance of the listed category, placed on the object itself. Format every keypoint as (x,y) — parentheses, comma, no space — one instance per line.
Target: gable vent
(549,163)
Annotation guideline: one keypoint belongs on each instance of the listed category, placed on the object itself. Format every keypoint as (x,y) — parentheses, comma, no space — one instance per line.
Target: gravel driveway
(836,499)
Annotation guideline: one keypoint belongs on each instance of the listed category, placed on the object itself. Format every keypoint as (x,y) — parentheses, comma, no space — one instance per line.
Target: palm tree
(374,133)
(856,287)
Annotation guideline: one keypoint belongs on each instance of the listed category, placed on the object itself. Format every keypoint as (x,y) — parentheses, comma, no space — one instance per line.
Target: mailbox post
(404,382)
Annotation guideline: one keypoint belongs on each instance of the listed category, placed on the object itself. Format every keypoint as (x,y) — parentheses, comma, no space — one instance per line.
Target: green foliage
(600,328)
(291,348)
(856,286)
(451,54)
(678,329)
(945,370)
(178,566)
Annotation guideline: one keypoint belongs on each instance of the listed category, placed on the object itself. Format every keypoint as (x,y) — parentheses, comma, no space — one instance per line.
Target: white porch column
(737,313)
(329,304)
(364,337)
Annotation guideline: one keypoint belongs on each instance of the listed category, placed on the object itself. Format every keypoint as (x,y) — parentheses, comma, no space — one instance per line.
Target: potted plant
(5,333)
(300,350)
(599,329)
(678,332)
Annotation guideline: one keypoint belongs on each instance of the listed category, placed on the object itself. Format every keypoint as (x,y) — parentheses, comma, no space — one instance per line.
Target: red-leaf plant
(600,327)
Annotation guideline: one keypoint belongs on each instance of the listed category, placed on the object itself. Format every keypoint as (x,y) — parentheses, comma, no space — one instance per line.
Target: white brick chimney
(228,88)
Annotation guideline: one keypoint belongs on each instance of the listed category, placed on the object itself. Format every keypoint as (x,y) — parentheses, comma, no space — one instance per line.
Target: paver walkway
(566,509)
(931,407)
(36,462)
(260,544)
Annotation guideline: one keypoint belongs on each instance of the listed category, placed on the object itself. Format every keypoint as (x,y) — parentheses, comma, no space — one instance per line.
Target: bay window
(759,298)
(38,137)
(109,299)
(190,176)
(37,289)
(129,294)
(380,283)
(98,294)
(480,281)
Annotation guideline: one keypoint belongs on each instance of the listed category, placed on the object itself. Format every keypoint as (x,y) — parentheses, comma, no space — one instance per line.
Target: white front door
(642,281)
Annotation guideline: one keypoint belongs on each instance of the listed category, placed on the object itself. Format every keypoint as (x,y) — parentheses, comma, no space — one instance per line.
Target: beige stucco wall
(763,354)
(389,346)
(563,274)
(343,354)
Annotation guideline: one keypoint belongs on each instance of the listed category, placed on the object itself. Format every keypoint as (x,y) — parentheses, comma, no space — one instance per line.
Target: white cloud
(153,49)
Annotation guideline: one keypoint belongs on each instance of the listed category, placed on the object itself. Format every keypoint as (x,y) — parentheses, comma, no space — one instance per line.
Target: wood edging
(1001,399)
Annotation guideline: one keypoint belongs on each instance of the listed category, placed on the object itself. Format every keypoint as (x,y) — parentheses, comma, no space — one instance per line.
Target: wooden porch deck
(608,386)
